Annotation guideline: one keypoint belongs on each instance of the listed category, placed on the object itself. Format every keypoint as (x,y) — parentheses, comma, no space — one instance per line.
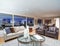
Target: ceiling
(37,8)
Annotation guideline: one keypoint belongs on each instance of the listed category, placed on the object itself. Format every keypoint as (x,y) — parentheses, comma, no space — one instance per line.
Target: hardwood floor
(2,40)
(59,37)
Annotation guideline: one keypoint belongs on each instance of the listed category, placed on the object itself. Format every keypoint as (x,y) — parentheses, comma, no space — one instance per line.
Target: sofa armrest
(5,35)
(57,30)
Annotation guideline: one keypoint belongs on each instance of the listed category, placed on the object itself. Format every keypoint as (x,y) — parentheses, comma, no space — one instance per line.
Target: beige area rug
(48,42)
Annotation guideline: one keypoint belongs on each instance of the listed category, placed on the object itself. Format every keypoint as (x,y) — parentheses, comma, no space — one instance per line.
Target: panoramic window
(19,21)
(5,20)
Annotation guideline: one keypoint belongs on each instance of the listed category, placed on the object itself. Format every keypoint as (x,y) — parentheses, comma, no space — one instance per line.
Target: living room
(23,18)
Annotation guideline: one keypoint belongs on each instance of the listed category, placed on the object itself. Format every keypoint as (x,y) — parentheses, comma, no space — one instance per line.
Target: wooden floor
(2,40)
(59,37)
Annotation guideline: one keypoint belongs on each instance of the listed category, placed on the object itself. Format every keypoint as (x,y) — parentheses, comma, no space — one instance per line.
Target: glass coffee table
(30,41)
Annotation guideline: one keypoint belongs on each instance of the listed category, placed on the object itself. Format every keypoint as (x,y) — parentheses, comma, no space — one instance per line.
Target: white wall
(57,22)
(59,29)
(58,25)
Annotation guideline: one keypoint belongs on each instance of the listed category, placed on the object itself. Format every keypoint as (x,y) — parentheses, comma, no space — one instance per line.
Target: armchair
(52,32)
(40,30)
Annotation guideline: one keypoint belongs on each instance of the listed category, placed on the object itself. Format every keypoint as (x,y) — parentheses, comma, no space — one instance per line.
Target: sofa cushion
(13,35)
(51,32)
(16,29)
(52,29)
(7,29)
(19,28)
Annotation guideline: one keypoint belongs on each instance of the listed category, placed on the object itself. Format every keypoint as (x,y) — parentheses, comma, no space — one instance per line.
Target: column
(59,30)
(43,21)
(12,20)
(57,24)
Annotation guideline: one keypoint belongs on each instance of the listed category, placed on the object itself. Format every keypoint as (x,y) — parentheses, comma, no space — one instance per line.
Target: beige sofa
(18,31)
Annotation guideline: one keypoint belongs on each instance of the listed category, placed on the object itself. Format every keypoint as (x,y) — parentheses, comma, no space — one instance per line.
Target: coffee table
(30,41)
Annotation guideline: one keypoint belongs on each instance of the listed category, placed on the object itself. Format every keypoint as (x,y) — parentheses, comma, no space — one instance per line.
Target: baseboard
(10,39)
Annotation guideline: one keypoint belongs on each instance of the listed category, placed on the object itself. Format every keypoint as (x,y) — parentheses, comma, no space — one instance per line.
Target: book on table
(38,37)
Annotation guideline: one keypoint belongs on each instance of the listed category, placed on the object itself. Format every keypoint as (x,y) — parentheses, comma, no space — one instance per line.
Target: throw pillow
(16,29)
(19,28)
(12,30)
(52,29)
(7,29)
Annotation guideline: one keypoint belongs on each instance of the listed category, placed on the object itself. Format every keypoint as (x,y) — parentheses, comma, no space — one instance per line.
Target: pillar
(59,30)
(12,20)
